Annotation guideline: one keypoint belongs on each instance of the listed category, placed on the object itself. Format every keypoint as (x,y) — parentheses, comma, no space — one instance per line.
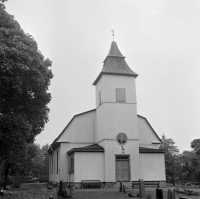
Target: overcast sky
(160,40)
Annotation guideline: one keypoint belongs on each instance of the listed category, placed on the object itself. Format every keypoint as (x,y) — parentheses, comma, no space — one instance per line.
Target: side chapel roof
(115,64)
(90,148)
(150,150)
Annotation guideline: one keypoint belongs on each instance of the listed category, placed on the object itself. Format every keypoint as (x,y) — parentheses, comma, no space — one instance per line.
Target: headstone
(149,196)
(124,189)
(171,194)
(120,187)
(142,188)
(185,190)
(159,193)
(60,189)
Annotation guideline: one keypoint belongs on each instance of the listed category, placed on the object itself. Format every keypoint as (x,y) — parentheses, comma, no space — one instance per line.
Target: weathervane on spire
(113,34)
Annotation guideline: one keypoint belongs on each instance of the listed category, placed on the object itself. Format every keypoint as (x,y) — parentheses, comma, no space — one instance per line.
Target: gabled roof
(115,64)
(55,144)
(90,148)
(150,150)
(150,127)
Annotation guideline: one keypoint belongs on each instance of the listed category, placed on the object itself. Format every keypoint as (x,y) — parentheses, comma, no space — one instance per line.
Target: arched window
(122,138)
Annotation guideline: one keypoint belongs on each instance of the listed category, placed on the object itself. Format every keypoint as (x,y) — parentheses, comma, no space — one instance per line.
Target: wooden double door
(122,168)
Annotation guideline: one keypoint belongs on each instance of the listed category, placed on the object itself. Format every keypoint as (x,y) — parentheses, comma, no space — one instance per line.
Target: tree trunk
(173,179)
(2,162)
(7,168)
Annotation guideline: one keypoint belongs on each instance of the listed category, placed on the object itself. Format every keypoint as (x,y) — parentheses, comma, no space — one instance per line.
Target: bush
(28,179)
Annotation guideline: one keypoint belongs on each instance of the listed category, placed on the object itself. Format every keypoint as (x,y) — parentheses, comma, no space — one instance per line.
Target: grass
(39,191)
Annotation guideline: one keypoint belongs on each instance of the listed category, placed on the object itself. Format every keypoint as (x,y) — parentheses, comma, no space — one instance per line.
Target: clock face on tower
(122,138)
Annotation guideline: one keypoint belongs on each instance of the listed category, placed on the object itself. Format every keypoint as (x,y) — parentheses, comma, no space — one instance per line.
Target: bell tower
(116,114)
(115,97)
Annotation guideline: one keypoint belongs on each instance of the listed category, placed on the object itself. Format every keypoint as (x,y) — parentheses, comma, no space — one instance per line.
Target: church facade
(110,143)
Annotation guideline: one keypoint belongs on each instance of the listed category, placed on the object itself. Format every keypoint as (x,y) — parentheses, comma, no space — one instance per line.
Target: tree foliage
(172,165)
(183,166)
(195,144)
(35,163)
(24,80)
(189,162)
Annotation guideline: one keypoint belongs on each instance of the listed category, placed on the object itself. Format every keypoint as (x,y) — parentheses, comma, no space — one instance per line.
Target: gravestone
(159,193)
(124,189)
(142,188)
(120,187)
(171,194)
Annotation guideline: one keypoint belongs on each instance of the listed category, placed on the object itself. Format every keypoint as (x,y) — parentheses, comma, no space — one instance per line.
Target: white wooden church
(112,142)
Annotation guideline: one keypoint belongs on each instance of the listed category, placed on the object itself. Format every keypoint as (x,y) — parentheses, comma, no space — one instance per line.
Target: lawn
(39,191)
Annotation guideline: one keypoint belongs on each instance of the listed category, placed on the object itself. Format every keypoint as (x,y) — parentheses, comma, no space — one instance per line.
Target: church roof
(150,150)
(90,148)
(115,64)
(150,127)
(55,144)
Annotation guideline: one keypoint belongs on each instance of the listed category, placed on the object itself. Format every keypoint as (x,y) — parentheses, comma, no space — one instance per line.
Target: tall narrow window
(71,165)
(49,164)
(99,98)
(57,162)
(52,164)
(120,95)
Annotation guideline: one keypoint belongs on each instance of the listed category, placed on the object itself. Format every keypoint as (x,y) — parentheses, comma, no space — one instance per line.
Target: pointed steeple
(115,64)
(114,51)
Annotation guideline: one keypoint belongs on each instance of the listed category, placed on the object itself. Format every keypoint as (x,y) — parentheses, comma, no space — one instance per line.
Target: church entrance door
(122,168)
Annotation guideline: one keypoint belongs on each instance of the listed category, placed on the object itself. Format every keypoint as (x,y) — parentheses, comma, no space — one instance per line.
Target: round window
(122,138)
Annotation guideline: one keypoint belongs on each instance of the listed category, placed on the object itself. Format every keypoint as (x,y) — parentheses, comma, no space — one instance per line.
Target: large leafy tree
(24,80)
(189,162)
(172,165)
(195,144)
(45,155)
(35,162)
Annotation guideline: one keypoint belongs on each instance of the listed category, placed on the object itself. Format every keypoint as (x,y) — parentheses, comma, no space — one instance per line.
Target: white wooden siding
(81,129)
(112,148)
(53,175)
(64,176)
(113,118)
(89,166)
(146,134)
(108,84)
(152,166)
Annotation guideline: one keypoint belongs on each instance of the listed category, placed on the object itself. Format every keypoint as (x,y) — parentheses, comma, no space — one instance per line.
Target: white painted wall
(64,176)
(152,166)
(53,174)
(81,128)
(108,84)
(89,166)
(112,148)
(113,118)
(146,134)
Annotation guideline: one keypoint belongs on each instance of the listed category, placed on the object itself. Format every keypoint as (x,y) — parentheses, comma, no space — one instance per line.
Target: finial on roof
(113,34)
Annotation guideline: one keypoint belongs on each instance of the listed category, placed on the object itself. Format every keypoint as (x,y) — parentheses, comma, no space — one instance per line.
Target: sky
(159,38)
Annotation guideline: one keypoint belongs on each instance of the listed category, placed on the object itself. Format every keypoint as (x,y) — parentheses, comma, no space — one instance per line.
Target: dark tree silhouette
(24,80)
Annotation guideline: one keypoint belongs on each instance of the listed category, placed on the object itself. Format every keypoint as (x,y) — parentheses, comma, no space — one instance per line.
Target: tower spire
(113,34)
